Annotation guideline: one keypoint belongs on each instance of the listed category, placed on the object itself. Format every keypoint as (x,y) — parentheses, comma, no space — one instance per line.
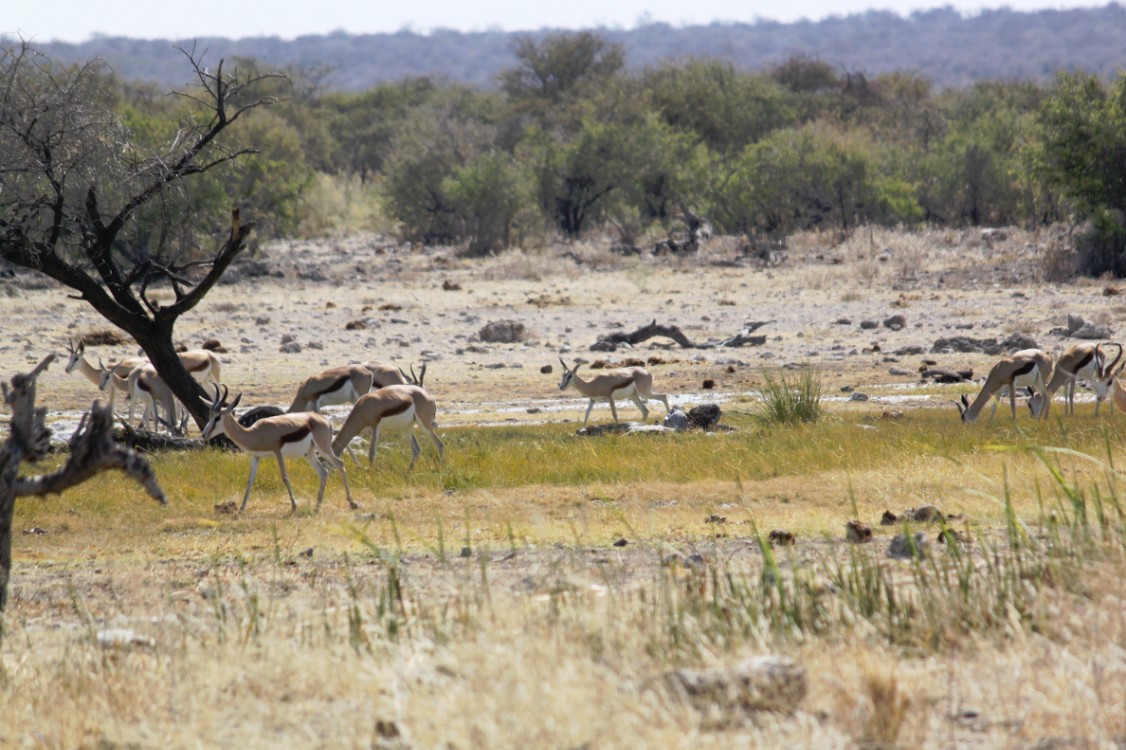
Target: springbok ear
(565,367)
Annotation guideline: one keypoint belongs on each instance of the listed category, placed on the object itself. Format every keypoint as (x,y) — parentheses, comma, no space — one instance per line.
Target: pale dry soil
(546,646)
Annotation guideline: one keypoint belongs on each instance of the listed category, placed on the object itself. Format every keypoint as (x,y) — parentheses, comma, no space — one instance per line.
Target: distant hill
(951,49)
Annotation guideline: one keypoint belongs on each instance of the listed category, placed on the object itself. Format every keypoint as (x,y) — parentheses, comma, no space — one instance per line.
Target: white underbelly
(289,450)
(345,395)
(398,421)
(625,392)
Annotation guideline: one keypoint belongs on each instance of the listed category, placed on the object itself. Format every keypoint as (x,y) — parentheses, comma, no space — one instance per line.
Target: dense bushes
(573,143)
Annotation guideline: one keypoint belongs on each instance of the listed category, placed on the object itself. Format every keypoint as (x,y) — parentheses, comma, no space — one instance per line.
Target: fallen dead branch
(92,451)
(611,341)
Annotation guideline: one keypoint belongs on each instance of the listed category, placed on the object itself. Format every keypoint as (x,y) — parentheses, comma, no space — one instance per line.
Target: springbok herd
(384,396)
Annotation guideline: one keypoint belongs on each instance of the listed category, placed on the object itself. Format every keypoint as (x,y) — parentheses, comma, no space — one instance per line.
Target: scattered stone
(847,389)
(307,553)
(262,320)
(858,396)
(891,414)
(708,384)
(227,508)
(889,519)
(312,275)
(388,736)
(908,351)
(900,372)
(895,322)
(727,695)
(705,416)
(1074,323)
(355,325)
(451,286)
(503,332)
(1017,341)
(676,420)
(213,345)
(952,537)
(781,538)
(290,348)
(867,325)
(927,514)
(715,519)
(1111,291)
(249,417)
(547,369)
(120,639)
(844,321)
(466,552)
(621,542)
(903,547)
(943,375)
(35,530)
(858,533)
(1092,331)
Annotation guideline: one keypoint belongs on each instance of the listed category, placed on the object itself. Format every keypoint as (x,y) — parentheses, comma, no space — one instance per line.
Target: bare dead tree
(92,451)
(73,180)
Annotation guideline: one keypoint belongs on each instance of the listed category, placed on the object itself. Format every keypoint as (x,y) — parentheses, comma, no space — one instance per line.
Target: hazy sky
(77,20)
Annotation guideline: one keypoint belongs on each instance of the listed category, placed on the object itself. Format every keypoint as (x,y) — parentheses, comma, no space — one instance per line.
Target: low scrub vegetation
(474,588)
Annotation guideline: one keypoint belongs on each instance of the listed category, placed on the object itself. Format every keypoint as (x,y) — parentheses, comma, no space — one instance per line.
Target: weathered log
(611,341)
(92,451)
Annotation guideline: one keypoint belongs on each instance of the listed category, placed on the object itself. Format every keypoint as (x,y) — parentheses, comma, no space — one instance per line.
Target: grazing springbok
(1083,360)
(634,383)
(336,385)
(396,407)
(1028,368)
(293,434)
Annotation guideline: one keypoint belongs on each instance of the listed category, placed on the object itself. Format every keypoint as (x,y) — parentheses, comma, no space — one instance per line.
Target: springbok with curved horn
(1028,368)
(397,407)
(336,385)
(384,374)
(122,368)
(1083,360)
(297,434)
(634,383)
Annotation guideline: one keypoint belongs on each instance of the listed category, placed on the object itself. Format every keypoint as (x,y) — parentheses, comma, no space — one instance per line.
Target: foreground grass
(310,631)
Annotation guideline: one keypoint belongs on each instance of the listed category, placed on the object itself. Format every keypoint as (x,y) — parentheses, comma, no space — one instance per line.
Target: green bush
(791,401)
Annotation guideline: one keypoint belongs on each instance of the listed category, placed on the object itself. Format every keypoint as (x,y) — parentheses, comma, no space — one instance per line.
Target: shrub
(791,401)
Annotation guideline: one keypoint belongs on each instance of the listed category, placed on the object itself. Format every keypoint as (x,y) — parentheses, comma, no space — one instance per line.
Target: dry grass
(500,614)
(370,628)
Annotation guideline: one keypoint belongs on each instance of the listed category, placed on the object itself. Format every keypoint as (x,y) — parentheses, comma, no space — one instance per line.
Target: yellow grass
(339,629)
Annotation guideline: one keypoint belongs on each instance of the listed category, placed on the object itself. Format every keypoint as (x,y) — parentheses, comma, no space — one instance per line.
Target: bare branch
(93,451)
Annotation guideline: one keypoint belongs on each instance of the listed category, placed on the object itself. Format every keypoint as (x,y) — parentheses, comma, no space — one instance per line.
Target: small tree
(73,179)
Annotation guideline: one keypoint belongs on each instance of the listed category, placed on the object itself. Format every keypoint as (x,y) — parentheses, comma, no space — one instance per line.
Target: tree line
(571,142)
(951,48)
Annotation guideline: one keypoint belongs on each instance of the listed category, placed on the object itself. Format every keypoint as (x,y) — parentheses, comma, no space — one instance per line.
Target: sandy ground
(362,298)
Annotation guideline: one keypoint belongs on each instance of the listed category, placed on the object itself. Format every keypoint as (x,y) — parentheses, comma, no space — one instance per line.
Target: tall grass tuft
(791,401)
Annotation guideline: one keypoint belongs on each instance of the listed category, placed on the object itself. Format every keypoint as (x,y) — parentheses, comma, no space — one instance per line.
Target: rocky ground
(868,314)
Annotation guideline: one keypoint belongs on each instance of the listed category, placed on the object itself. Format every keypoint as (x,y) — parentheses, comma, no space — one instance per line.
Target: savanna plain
(542,588)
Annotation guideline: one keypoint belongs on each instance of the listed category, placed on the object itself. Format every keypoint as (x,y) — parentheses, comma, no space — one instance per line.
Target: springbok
(294,434)
(397,407)
(336,385)
(1029,368)
(1083,360)
(634,383)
